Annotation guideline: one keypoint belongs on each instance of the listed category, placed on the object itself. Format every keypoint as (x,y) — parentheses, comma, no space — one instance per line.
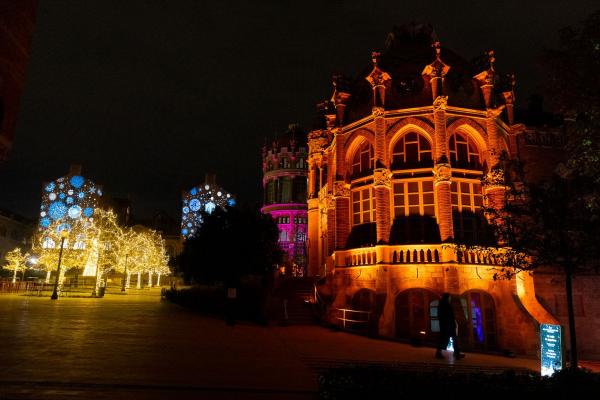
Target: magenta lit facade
(285,189)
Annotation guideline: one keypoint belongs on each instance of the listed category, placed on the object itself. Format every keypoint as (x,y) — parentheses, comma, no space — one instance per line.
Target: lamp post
(63,235)
(124,275)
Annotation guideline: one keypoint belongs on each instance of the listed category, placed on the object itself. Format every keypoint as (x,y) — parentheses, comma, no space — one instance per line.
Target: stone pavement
(137,347)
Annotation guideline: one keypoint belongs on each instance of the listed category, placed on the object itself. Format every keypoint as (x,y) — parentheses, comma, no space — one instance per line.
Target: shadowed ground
(136,346)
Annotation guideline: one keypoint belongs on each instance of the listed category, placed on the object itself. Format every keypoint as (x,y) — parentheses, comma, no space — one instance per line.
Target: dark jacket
(446,317)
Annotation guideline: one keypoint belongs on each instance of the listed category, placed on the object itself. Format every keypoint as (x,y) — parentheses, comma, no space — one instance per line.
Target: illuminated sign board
(551,348)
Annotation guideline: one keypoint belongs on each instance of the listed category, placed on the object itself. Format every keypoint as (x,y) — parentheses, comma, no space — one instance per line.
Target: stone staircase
(293,302)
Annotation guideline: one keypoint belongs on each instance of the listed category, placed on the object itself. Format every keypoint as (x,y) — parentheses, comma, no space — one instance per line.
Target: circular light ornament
(45,222)
(186,209)
(219,194)
(81,195)
(231,203)
(62,196)
(70,192)
(50,187)
(57,210)
(195,204)
(75,212)
(88,212)
(206,187)
(69,200)
(52,196)
(184,231)
(194,191)
(43,214)
(210,207)
(77,181)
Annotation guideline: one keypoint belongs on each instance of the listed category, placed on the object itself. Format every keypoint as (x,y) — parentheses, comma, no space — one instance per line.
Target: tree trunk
(139,280)
(571,312)
(48,276)
(14,277)
(128,280)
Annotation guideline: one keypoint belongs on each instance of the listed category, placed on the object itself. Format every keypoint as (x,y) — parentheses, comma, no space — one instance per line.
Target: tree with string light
(63,244)
(16,261)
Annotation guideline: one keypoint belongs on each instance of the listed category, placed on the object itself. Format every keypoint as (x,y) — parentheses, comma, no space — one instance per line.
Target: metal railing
(349,316)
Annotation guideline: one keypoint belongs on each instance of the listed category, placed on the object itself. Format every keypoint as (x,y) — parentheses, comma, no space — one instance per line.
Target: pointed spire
(379,80)
(340,97)
(486,79)
(509,98)
(436,71)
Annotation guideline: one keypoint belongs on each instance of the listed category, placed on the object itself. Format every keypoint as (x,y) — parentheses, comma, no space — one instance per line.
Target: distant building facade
(399,171)
(284,166)
(15,231)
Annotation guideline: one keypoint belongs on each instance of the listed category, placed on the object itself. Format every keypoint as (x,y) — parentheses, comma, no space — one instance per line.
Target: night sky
(149,95)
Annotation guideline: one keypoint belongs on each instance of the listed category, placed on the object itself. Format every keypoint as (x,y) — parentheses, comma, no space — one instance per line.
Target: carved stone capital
(378,111)
(509,97)
(341,189)
(440,103)
(378,78)
(317,141)
(329,202)
(330,120)
(494,112)
(442,172)
(382,177)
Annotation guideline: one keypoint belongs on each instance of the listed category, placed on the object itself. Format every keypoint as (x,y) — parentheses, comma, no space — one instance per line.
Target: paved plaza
(137,346)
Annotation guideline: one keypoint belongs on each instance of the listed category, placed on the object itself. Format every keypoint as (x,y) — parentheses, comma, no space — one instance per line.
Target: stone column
(139,280)
(382,181)
(128,281)
(313,236)
(494,148)
(150,279)
(48,276)
(442,182)
(331,223)
(341,195)
(442,171)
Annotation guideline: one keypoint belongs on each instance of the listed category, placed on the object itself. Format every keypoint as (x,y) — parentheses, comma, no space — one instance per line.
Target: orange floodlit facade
(395,179)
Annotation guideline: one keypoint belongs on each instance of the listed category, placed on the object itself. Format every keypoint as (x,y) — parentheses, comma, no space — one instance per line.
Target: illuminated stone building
(395,179)
(284,182)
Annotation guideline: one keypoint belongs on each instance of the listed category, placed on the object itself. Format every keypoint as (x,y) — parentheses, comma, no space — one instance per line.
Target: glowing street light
(63,235)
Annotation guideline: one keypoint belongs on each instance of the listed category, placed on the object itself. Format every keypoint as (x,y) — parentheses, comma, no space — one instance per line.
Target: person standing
(448,328)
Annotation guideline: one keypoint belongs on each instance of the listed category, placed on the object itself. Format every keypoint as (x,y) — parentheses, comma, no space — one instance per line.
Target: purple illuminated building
(285,189)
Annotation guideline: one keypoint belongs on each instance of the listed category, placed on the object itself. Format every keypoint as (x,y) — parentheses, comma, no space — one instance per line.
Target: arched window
(415,318)
(463,152)
(478,320)
(412,151)
(363,161)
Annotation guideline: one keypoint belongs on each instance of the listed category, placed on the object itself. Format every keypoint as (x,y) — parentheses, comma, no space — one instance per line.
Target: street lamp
(63,235)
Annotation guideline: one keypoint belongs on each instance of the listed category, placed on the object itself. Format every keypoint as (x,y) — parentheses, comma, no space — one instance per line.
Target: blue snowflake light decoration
(201,198)
(66,199)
